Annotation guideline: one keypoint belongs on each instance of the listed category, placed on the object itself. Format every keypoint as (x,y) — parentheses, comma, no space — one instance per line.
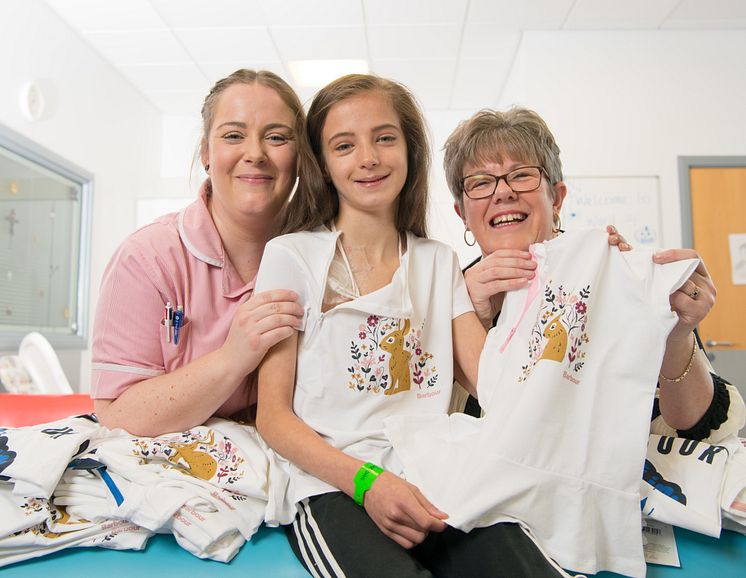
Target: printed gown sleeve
(280,269)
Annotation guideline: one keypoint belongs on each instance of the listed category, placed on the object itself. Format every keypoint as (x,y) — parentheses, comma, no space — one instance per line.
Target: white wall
(95,119)
(630,103)
(619,103)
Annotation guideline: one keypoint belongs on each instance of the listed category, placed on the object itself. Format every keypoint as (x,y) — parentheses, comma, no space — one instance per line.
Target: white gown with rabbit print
(386,353)
(566,380)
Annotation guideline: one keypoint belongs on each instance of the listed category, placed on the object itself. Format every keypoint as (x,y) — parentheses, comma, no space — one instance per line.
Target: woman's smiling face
(251,150)
(510,220)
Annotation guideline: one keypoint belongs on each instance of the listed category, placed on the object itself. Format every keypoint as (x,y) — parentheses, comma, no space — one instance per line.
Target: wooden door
(718,196)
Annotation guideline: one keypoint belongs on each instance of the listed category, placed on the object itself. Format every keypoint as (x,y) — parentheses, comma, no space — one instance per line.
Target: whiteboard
(631,204)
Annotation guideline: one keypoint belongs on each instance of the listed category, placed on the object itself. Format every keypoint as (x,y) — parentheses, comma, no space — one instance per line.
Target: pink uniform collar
(201,238)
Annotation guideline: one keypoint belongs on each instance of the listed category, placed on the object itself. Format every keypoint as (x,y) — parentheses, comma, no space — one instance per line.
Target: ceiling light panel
(385,12)
(314,43)
(615,15)
(138,47)
(437,41)
(222,68)
(524,15)
(214,44)
(316,13)
(95,15)
(201,14)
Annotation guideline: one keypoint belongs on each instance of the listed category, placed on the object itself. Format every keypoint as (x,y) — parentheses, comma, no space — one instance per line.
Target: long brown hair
(316,202)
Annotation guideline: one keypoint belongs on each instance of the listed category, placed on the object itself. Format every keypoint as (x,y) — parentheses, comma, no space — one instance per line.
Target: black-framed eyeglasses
(520,180)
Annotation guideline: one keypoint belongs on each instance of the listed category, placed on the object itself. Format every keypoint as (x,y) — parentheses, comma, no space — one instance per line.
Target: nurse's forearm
(174,401)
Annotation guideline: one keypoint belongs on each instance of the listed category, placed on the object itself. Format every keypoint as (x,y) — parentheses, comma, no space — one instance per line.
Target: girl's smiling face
(365,153)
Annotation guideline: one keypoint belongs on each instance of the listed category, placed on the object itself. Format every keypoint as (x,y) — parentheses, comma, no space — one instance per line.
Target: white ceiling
(174,50)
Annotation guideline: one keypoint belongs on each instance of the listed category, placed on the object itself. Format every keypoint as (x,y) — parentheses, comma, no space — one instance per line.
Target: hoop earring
(474,239)
(556,224)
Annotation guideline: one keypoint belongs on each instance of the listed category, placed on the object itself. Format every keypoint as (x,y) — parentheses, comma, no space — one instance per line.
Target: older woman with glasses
(504,171)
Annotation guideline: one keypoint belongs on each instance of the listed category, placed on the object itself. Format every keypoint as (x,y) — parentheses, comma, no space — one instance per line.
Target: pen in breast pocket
(168,320)
(178,322)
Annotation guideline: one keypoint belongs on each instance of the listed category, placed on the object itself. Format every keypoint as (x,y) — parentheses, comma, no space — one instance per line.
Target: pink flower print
(418,351)
(367,362)
(573,299)
(361,335)
(580,307)
(373,320)
(379,371)
(361,327)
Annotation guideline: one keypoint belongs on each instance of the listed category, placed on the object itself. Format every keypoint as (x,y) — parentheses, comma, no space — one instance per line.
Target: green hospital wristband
(364,479)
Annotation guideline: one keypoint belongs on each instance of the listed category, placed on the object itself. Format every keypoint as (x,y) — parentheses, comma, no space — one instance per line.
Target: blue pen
(178,322)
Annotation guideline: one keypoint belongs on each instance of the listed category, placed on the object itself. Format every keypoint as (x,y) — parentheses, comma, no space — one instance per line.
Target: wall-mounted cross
(12,220)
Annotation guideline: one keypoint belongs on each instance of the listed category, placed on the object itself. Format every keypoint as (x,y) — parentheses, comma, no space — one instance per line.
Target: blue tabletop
(268,554)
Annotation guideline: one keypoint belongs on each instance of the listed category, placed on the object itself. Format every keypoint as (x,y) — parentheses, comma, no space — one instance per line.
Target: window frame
(36,153)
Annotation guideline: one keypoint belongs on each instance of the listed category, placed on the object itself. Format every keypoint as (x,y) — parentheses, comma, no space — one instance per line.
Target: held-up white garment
(389,352)
(681,483)
(567,380)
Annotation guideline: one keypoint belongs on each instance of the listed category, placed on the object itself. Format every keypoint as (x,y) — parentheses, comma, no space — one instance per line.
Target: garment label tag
(659,544)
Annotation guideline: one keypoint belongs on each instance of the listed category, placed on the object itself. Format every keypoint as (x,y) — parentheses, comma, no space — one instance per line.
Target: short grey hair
(488,135)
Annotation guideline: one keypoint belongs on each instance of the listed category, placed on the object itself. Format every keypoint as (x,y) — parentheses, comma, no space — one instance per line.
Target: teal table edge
(268,554)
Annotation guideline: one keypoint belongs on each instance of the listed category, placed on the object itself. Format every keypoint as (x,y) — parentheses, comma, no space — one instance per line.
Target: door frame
(685,186)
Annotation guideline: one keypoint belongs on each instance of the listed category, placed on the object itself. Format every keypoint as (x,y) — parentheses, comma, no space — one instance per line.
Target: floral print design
(370,369)
(200,456)
(570,309)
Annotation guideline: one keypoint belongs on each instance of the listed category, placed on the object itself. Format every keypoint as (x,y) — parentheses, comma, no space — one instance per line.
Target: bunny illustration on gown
(393,343)
(557,344)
